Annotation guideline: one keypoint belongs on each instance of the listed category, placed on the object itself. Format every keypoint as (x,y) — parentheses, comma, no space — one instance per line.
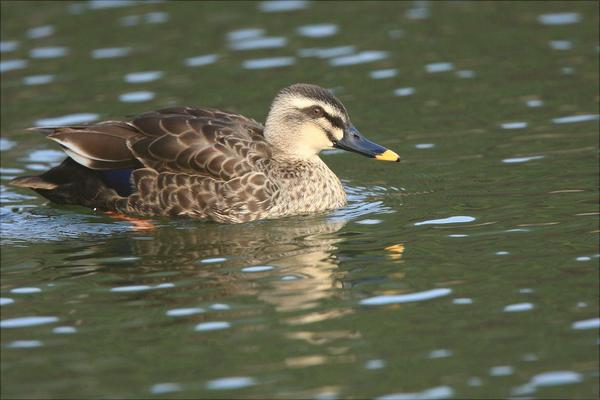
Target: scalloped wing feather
(197,141)
(200,141)
(196,162)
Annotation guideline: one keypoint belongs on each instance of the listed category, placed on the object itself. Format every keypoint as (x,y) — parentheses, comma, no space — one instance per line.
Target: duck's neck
(307,185)
(292,167)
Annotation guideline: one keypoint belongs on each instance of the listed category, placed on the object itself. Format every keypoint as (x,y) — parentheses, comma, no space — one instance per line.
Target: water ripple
(264,63)
(26,290)
(592,323)
(258,268)
(141,288)
(514,125)
(439,392)
(465,73)
(567,70)
(213,260)
(519,160)
(6,144)
(184,312)
(40,32)
(234,382)
(462,300)
(8,45)
(550,378)
(560,44)
(554,378)
(132,288)
(440,353)
(136,97)
(143,76)
(161,388)
(383,73)
(576,118)
(33,80)
(259,43)
(199,61)
(518,307)
(11,65)
(474,381)
(359,58)
(404,91)
(156,17)
(212,326)
(48,52)
(406,298)
(460,219)
(24,344)
(44,156)
(375,364)
(243,34)
(103,4)
(422,146)
(534,103)
(501,370)
(70,119)
(563,18)
(220,307)
(110,52)
(317,30)
(369,221)
(64,330)
(5,301)
(24,322)
(130,20)
(326,52)
(439,67)
(282,5)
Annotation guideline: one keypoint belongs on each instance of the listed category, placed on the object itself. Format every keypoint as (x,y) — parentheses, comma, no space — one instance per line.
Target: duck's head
(305,119)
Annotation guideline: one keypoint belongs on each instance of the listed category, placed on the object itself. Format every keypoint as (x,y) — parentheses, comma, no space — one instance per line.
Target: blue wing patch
(119,179)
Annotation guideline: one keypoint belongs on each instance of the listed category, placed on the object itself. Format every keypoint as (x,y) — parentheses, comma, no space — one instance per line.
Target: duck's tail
(70,183)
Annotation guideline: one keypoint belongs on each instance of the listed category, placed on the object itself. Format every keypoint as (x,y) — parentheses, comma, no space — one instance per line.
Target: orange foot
(138,224)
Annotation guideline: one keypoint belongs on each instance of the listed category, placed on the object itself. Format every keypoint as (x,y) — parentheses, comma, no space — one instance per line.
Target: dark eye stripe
(334,120)
(308,111)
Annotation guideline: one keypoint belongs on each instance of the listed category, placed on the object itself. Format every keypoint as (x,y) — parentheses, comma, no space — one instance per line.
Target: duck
(207,163)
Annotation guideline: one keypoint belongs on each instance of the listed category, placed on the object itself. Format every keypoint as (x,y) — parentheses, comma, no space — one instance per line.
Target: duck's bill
(354,141)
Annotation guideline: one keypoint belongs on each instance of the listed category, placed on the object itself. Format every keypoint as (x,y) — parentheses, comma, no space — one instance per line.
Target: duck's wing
(202,141)
(195,141)
(99,146)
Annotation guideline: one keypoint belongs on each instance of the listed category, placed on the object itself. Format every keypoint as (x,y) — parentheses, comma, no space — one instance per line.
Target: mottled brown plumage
(203,162)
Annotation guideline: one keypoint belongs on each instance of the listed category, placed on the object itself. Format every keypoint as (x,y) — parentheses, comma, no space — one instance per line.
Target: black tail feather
(33,182)
(70,183)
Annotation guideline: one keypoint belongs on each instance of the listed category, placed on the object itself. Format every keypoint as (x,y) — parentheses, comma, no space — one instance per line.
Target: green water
(498,299)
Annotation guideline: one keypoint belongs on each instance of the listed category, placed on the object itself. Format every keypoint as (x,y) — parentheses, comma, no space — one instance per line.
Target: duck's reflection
(301,251)
(291,265)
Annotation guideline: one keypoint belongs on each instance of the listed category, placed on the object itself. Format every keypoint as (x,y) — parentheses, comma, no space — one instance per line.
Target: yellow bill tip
(388,155)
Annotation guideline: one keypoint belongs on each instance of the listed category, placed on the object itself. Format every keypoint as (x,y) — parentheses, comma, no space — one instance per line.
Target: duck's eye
(317,111)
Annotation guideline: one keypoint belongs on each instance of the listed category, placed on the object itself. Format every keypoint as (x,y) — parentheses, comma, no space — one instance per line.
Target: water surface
(470,269)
